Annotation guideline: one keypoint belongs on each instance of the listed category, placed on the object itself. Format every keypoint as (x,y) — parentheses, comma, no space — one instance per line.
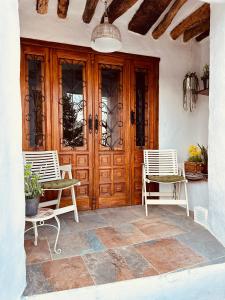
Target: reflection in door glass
(111,107)
(140,107)
(35,99)
(73,104)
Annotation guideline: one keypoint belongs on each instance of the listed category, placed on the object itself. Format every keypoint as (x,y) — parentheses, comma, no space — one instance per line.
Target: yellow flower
(194,151)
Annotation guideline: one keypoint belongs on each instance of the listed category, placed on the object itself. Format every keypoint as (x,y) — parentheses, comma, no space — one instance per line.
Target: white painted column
(217,122)
(12,256)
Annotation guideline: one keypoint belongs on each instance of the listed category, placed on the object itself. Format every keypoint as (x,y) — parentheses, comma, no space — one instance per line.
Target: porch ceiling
(187,18)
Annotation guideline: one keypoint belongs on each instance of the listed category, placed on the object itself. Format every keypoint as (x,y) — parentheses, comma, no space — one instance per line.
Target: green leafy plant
(204,153)
(205,72)
(32,186)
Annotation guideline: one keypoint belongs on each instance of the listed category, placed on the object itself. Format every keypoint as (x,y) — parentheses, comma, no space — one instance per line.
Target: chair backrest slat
(44,163)
(160,162)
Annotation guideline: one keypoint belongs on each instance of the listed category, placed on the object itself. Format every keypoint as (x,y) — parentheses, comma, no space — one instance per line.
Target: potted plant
(195,162)
(33,191)
(204,154)
(205,77)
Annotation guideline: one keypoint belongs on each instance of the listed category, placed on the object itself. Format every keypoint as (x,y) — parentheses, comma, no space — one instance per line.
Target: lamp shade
(106,38)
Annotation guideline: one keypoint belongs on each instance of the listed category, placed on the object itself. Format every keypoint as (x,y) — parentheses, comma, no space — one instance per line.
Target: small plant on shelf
(205,77)
(194,163)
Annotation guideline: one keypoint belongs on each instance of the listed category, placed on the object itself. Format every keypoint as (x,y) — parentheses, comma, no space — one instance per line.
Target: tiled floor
(117,244)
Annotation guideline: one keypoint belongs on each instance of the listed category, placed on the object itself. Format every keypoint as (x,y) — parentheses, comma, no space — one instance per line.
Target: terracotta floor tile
(131,233)
(156,228)
(168,255)
(67,273)
(37,254)
(110,237)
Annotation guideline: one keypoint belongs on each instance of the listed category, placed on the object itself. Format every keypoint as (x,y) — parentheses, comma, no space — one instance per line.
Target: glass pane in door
(111,108)
(72,104)
(35,98)
(141,120)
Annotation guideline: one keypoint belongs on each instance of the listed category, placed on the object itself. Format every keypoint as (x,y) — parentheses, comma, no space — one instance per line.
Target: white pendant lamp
(106,37)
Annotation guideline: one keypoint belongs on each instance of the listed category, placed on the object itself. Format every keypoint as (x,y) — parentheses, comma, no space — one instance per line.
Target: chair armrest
(65,168)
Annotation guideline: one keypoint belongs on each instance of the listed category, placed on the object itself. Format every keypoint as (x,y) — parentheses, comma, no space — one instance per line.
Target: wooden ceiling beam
(147,14)
(89,10)
(117,8)
(201,14)
(202,36)
(168,18)
(42,6)
(196,30)
(62,8)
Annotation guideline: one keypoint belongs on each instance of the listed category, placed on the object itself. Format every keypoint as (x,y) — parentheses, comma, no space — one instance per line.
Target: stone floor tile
(201,241)
(175,209)
(131,233)
(67,273)
(87,222)
(138,265)
(108,266)
(110,237)
(156,228)
(187,224)
(76,244)
(36,281)
(167,255)
(119,217)
(37,254)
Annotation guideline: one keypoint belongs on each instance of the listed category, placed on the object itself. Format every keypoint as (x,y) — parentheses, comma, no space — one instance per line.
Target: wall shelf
(204,92)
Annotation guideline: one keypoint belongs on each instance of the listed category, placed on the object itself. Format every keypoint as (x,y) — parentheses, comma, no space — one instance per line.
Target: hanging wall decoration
(190,91)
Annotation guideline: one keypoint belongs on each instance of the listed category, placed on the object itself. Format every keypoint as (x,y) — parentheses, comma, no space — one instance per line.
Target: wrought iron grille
(111,106)
(35,98)
(72,85)
(141,105)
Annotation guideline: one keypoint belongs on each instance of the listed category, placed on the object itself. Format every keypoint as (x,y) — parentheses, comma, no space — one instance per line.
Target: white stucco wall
(217,123)
(12,256)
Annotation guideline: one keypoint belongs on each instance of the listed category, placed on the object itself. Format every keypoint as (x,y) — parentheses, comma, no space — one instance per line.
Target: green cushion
(59,184)
(166,179)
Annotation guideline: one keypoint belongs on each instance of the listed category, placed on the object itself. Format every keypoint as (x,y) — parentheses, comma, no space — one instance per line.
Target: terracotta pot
(31,208)
(193,167)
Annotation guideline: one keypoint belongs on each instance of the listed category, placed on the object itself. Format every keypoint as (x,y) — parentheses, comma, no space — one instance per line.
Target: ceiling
(179,19)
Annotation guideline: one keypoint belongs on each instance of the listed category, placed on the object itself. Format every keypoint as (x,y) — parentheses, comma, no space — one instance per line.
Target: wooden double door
(98,111)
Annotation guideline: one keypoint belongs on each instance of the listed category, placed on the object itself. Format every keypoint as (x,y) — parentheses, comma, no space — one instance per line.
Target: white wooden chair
(160,166)
(52,177)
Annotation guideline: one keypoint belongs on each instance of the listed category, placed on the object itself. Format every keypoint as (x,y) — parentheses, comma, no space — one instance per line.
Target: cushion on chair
(166,179)
(59,184)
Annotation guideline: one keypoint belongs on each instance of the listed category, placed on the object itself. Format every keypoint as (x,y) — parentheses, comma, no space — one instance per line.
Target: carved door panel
(72,119)
(111,132)
(144,116)
(35,95)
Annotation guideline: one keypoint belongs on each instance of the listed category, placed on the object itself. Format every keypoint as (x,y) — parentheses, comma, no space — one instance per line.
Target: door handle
(132,117)
(96,123)
(90,123)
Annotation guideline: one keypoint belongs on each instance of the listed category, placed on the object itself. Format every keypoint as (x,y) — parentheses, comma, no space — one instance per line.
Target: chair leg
(186,197)
(145,199)
(75,204)
(142,194)
(59,198)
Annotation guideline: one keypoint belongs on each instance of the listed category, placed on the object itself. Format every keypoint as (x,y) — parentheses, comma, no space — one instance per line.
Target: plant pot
(205,83)
(193,167)
(31,208)
(205,169)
